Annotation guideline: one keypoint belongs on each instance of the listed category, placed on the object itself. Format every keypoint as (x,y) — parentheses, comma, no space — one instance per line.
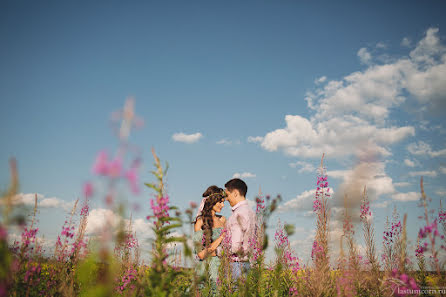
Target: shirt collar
(243,202)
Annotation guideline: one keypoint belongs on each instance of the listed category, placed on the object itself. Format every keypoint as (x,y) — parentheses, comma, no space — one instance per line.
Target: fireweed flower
(88,189)
(159,207)
(442,216)
(115,168)
(317,250)
(365,209)
(283,244)
(100,166)
(132,177)
(402,284)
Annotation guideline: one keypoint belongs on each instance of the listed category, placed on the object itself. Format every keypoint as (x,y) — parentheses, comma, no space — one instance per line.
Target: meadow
(111,265)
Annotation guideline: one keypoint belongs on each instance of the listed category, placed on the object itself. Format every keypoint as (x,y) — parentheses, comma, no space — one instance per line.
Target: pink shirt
(241,226)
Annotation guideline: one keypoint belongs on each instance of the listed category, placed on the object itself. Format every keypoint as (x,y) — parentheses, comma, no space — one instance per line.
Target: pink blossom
(115,167)
(100,166)
(132,177)
(88,189)
(442,216)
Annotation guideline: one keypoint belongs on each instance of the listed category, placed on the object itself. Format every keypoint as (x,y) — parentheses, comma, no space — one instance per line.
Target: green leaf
(168,228)
(153,186)
(174,239)
(170,219)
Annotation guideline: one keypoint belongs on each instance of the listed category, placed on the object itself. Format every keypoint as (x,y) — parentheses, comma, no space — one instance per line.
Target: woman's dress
(214,262)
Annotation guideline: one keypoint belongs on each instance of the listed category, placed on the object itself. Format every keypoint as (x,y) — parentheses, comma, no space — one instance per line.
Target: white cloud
(42,201)
(411,196)
(402,184)
(341,136)
(187,138)
(224,141)
(432,173)
(320,80)
(340,174)
(244,175)
(351,115)
(424,149)
(364,56)
(255,139)
(441,192)
(303,166)
(409,163)
(443,170)
(303,201)
(406,42)
(99,218)
(381,45)
(382,204)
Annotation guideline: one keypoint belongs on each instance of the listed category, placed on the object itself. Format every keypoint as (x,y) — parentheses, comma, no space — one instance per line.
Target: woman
(208,230)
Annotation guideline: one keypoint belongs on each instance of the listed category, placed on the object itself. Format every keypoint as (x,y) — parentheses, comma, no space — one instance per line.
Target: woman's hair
(214,195)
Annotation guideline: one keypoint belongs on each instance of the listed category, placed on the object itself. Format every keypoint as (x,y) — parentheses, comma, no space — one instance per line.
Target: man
(240,225)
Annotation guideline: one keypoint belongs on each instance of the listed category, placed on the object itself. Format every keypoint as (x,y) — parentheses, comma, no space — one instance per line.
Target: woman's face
(218,206)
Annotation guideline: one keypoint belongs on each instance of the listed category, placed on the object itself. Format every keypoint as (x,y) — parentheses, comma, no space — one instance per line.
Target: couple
(239,228)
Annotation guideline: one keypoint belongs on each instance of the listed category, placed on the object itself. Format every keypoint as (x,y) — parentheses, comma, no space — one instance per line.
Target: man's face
(231,196)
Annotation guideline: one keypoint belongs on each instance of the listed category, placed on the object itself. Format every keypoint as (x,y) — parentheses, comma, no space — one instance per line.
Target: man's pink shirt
(241,227)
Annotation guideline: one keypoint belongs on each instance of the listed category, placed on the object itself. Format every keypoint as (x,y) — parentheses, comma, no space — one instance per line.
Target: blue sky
(269,85)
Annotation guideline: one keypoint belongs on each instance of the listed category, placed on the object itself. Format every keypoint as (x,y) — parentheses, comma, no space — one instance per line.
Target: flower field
(111,265)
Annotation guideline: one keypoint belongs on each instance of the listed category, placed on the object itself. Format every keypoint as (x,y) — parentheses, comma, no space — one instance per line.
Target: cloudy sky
(257,90)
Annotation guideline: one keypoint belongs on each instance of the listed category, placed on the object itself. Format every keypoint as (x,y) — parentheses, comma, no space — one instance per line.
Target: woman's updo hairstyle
(214,195)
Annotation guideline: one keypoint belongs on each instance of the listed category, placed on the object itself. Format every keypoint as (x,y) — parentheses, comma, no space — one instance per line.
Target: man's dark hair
(237,184)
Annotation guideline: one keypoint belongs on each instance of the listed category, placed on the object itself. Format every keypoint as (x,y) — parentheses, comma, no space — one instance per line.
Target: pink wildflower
(115,167)
(132,177)
(100,166)
(442,216)
(88,189)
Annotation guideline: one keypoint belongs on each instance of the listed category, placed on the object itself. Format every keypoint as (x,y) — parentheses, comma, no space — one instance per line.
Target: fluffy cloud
(432,173)
(364,56)
(42,201)
(303,201)
(244,175)
(351,115)
(100,218)
(411,196)
(224,141)
(187,138)
(409,163)
(303,166)
(227,142)
(320,80)
(339,136)
(401,184)
(422,148)
(381,45)
(382,204)
(443,170)
(255,139)
(406,42)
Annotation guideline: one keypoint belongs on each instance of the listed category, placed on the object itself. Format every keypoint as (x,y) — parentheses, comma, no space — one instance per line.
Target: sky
(258,89)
